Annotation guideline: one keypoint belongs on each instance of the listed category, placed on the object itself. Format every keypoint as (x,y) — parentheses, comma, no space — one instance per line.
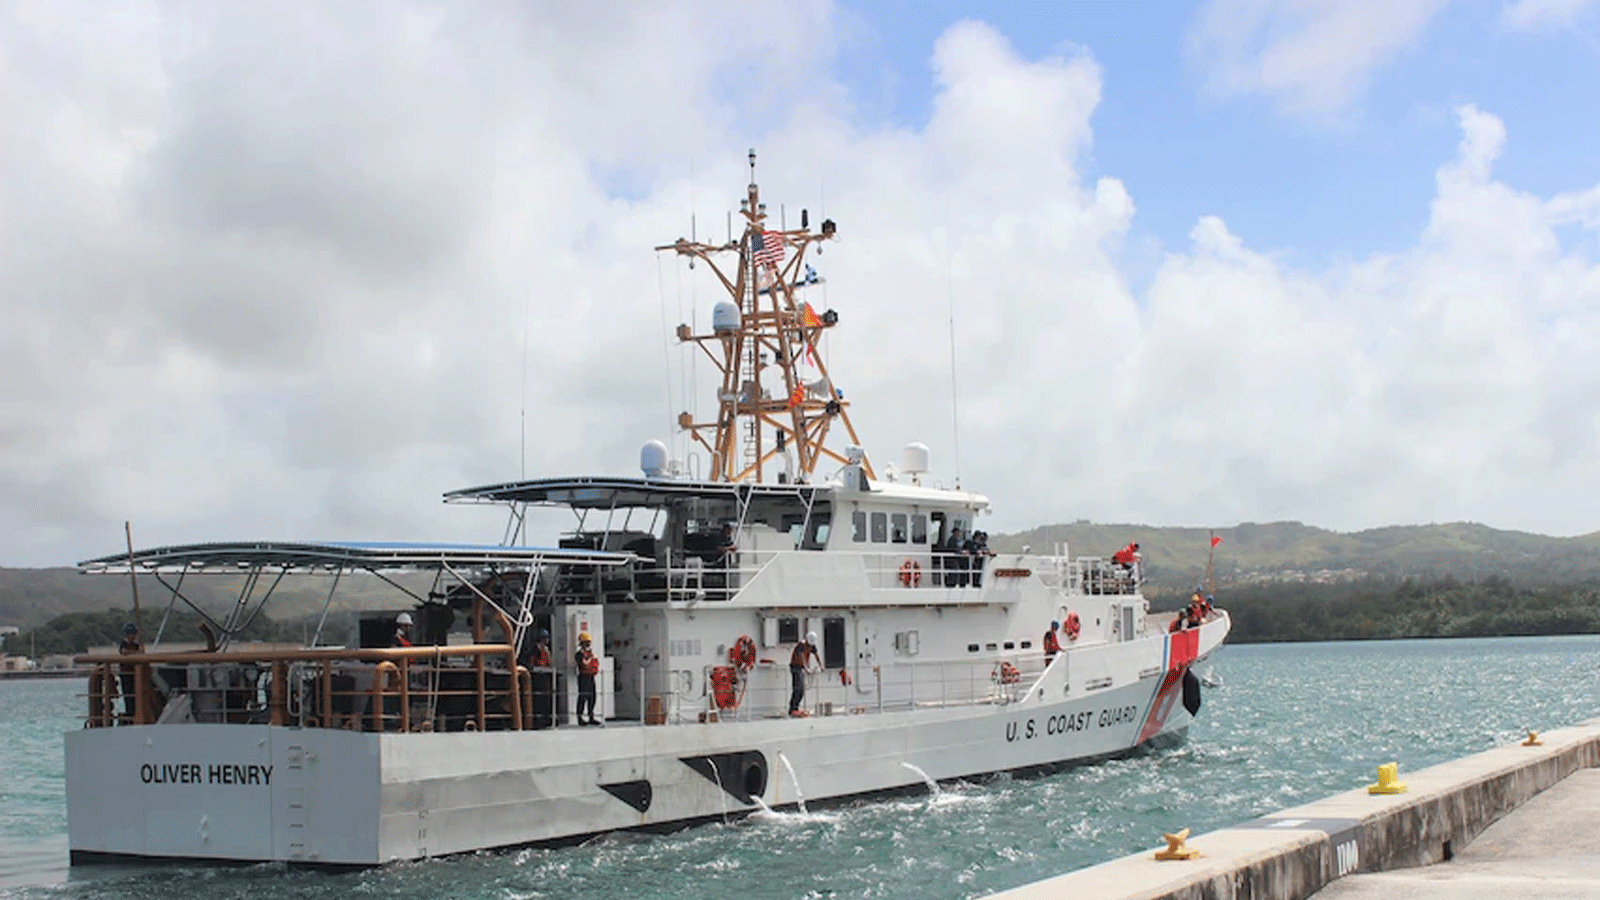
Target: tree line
(1380,609)
(1371,609)
(72,633)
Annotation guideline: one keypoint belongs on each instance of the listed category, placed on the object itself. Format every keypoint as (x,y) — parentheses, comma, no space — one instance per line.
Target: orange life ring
(723,682)
(743,653)
(1073,626)
(911,573)
(1006,673)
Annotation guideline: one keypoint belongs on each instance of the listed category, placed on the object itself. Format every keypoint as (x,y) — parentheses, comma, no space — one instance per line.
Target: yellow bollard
(1533,740)
(1176,849)
(1388,780)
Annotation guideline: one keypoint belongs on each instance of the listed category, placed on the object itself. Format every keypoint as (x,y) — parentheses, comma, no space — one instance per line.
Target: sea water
(1290,724)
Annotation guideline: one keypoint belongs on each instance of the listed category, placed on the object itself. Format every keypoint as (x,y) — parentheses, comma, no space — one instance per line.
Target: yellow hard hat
(583,636)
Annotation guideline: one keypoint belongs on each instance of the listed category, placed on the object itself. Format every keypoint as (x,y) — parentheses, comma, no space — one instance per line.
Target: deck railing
(471,687)
(764,691)
(689,577)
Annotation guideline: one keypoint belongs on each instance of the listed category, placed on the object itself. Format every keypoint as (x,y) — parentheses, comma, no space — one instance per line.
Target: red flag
(798,397)
(1215,541)
(808,316)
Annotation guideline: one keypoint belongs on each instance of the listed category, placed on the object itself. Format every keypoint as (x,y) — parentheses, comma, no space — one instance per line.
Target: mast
(776,402)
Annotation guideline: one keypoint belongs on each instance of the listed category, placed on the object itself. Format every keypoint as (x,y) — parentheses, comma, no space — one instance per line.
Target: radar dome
(915,459)
(653,458)
(724,317)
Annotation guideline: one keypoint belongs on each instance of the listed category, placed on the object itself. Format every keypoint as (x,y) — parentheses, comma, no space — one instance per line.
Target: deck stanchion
(405,693)
(277,702)
(482,710)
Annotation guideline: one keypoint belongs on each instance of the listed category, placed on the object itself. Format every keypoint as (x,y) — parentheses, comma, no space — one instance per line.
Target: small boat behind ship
(795,620)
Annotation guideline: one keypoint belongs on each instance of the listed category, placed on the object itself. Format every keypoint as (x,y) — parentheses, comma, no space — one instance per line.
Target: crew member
(130,644)
(955,560)
(541,650)
(800,663)
(588,667)
(1052,644)
(1126,557)
(402,631)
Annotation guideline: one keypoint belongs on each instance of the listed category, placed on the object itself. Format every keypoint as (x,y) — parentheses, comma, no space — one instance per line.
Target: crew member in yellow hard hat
(588,667)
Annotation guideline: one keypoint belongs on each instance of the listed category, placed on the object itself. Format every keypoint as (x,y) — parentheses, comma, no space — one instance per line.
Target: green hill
(32,597)
(1256,556)
(1290,552)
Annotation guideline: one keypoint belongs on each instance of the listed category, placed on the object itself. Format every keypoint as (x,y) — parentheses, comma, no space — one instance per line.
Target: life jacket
(401,640)
(1124,556)
(588,663)
(1052,644)
(541,656)
(802,654)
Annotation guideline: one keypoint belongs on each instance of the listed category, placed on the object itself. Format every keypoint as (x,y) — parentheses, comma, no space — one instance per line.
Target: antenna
(523,469)
(950,292)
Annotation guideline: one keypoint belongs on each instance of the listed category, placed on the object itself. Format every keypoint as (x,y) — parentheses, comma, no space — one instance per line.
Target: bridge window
(858,526)
(919,528)
(897,528)
(880,528)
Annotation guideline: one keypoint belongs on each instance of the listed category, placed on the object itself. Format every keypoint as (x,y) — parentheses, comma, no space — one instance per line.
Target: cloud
(1312,57)
(1540,15)
(280,273)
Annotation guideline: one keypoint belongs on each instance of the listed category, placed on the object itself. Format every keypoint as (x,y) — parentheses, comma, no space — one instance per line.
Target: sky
(292,271)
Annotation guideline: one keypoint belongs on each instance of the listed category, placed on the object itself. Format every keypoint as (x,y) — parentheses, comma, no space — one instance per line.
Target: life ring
(911,573)
(743,653)
(1005,673)
(1073,626)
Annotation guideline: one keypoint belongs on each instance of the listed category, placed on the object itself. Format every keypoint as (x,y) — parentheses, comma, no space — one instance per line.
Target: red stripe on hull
(1183,648)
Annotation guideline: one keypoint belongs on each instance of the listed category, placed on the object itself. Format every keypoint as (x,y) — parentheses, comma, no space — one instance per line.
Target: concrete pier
(1298,852)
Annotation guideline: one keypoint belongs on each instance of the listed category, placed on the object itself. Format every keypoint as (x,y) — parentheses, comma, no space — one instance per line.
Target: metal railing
(761,693)
(473,687)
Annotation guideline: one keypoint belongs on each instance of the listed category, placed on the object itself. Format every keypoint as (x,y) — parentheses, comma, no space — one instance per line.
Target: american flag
(767,247)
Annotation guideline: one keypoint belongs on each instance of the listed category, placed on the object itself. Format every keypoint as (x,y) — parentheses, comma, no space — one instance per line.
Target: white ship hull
(330,797)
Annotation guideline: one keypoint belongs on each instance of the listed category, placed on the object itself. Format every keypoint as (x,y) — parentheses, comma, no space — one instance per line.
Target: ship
(772,620)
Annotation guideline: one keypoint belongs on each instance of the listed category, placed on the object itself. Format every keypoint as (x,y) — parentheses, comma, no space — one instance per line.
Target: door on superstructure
(642,665)
(866,655)
(834,655)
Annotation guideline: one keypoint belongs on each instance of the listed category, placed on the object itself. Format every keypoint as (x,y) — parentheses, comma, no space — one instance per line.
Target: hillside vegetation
(1281,581)
(1292,553)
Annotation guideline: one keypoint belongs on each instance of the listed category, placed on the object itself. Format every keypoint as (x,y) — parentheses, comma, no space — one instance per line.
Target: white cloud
(275,269)
(1313,57)
(1539,15)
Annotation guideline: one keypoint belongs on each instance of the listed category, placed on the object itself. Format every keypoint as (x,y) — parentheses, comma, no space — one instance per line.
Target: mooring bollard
(1176,849)
(1388,780)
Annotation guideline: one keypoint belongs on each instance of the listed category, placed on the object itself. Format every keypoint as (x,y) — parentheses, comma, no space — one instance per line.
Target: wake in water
(784,817)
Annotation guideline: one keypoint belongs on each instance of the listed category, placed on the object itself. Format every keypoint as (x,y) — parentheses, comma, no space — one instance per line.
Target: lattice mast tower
(764,344)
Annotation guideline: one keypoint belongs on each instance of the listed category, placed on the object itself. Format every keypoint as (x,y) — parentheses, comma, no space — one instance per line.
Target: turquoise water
(1292,723)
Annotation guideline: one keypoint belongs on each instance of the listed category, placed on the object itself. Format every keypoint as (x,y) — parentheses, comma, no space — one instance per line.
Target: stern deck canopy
(338,556)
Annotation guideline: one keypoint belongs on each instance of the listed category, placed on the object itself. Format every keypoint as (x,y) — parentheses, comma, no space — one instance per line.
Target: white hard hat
(811,637)
(403,619)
